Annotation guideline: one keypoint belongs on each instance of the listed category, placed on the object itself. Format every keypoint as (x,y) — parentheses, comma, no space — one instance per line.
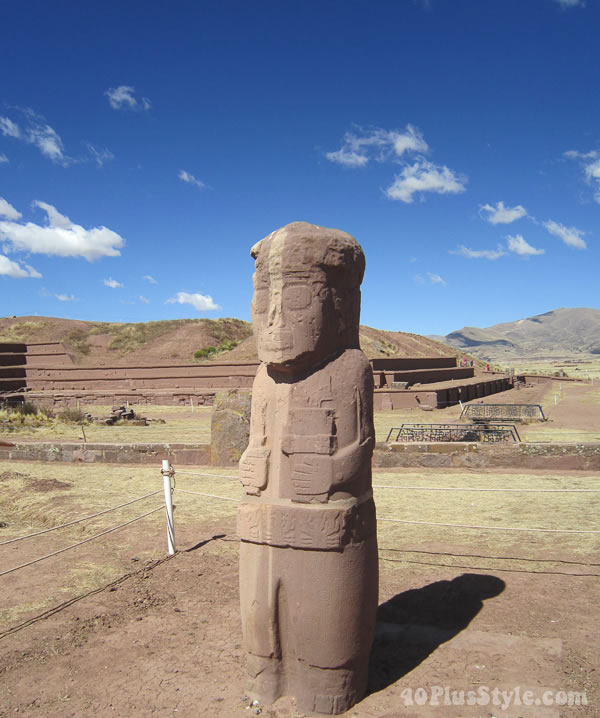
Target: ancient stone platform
(48,376)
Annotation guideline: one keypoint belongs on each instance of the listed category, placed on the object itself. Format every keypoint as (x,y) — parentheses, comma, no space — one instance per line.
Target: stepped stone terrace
(46,374)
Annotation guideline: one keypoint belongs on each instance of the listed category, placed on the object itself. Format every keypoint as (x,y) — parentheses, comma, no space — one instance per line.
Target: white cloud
(424,176)
(571,236)
(9,268)
(150,279)
(9,128)
(571,3)
(590,161)
(190,179)
(501,214)
(123,96)
(112,283)
(99,156)
(430,278)
(436,279)
(61,237)
(60,297)
(518,245)
(3,158)
(7,210)
(348,158)
(200,302)
(37,132)
(479,253)
(144,300)
(48,141)
(380,144)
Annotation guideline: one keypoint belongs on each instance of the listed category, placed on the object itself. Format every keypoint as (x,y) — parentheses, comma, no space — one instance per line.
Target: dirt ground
(166,639)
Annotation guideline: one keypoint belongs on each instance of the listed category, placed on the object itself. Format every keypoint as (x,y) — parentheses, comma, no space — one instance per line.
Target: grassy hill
(176,341)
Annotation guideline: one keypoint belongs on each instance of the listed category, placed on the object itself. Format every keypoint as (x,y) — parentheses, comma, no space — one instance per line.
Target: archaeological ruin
(307,528)
(46,374)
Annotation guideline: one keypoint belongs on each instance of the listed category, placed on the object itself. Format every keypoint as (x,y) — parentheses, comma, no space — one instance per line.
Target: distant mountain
(561,332)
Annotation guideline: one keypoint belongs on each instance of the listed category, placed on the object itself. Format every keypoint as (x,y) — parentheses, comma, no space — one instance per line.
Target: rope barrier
(487,528)
(75,599)
(494,568)
(492,558)
(210,496)
(77,521)
(459,488)
(91,538)
(197,473)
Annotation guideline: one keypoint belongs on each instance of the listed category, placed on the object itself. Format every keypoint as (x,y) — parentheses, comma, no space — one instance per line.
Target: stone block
(230,427)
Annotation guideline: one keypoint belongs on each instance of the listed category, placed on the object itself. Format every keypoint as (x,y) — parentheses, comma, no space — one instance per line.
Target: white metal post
(167,473)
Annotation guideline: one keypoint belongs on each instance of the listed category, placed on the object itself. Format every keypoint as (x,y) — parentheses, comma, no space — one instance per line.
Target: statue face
(293,319)
(306,295)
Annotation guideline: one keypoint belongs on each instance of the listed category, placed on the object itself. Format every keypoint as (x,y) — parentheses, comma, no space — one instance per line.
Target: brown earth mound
(176,341)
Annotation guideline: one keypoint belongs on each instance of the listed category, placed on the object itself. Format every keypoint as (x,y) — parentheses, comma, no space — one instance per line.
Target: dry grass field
(572,409)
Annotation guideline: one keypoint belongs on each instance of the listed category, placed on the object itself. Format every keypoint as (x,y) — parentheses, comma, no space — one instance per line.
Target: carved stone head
(306,303)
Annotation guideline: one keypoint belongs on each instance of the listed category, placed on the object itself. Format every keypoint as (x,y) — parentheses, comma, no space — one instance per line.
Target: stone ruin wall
(51,379)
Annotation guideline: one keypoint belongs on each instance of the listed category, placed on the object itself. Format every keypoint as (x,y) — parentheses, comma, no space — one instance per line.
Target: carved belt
(324,527)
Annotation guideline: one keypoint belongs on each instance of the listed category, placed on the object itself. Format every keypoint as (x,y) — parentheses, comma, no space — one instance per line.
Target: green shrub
(27,409)
(71,416)
(209,352)
(205,353)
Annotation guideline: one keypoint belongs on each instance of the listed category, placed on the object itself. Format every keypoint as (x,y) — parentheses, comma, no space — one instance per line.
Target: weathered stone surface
(581,457)
(230,427)
(308,554)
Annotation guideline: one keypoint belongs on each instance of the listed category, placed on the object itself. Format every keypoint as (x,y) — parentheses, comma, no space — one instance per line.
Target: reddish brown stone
(308,556)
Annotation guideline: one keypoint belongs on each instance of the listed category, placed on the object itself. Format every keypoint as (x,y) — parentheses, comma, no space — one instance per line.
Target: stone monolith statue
(308,554)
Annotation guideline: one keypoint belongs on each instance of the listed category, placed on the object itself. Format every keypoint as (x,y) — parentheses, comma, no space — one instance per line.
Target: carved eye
(261,300)
(297,296)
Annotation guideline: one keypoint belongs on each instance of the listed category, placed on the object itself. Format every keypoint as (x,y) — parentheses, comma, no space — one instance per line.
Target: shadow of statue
(200,544)
(411,625)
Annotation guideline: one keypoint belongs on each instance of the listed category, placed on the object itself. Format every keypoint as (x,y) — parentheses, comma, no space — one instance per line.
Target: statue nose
(275,315)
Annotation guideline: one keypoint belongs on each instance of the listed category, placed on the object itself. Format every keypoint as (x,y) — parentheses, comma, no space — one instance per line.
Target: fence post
(167,473)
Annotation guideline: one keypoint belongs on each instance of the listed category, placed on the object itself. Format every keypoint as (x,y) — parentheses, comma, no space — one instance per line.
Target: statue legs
(307,616)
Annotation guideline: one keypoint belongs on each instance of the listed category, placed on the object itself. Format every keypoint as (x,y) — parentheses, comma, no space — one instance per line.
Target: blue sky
(145,146)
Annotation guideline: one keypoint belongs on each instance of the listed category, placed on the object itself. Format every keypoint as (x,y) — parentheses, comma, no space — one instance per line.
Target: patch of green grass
(213,352)
(26,416)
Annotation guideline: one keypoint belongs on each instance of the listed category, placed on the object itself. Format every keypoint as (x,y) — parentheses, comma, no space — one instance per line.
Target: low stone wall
(455,455)
(73,399)
(178,454)
(464,455)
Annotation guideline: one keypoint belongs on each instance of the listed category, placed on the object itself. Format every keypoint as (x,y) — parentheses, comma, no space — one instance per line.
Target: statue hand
(254,467)
(312,474)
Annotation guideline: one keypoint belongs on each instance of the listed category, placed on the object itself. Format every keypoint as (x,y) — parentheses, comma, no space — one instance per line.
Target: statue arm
(254,462)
